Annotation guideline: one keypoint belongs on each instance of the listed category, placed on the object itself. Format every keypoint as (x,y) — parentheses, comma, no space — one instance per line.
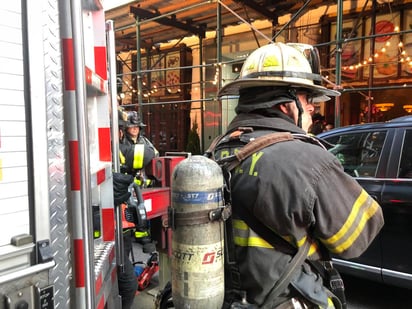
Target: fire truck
(60,240)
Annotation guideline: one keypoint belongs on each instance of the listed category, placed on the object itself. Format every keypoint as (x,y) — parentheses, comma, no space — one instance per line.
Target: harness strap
(262,142)
(286,276)
(210,151)
(254,146)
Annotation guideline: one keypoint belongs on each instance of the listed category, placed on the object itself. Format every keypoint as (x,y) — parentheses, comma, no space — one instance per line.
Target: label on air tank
(198,269)
(197,197)
(198,256)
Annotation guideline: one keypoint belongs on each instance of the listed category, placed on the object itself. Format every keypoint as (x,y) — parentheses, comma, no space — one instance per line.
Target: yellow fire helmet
(277,64)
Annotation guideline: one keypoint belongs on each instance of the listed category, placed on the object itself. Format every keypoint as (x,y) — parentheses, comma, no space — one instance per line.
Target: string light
(402,57)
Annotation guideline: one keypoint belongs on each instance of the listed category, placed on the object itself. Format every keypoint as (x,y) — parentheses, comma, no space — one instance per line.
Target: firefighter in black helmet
(295,189)
(143,151)
(135,154)
(131,137)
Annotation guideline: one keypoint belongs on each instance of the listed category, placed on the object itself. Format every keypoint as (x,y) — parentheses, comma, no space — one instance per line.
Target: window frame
(382,163)
(407,131)
(396,152)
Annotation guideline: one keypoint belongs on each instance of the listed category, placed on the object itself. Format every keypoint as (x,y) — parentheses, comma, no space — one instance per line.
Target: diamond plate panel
(60,242)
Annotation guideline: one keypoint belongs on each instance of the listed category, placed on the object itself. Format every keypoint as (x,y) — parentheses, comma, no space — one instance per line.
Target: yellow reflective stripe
(258,242)
(122,158)
(239,224)
(240,241)
(140,234)
(301,242)
(360,202)
(252,242)
(138,156)
(365,217)
(246,237)
(313,248)
(331,305)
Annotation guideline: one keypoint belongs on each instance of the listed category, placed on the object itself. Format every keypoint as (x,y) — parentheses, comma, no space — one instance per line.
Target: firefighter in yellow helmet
(295,190)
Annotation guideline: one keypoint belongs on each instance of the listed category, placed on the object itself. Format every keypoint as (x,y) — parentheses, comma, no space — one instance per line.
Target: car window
(358,152)
(405,167)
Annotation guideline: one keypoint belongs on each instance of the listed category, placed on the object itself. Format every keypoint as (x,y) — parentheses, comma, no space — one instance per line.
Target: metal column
(338,57)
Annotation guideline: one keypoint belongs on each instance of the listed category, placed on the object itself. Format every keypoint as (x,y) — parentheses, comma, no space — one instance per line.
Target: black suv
(379,156)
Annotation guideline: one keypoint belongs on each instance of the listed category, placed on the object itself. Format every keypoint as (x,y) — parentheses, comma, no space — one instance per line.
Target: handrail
(83,140)
(26,272)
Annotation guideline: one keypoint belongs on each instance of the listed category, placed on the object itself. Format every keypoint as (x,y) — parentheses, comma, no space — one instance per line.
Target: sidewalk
(145,299)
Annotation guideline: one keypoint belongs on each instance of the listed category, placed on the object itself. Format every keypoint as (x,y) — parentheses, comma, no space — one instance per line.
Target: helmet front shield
(293,65)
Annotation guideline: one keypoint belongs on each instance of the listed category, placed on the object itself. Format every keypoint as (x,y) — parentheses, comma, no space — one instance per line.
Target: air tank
(197,241)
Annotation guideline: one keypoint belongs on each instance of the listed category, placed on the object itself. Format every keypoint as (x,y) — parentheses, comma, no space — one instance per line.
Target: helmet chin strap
(294,94)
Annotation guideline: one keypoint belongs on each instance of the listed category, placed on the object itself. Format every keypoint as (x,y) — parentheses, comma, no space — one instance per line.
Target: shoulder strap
(287,274)
(209,152)
(252,147)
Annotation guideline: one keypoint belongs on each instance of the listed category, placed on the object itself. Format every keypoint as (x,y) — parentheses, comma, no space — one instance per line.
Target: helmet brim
(234,87)
(135,125)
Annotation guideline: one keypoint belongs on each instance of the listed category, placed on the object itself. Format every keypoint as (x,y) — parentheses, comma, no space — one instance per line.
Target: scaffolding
(281,29)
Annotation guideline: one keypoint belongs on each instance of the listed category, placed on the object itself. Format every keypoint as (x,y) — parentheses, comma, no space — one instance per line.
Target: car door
(396,202)
(364,155)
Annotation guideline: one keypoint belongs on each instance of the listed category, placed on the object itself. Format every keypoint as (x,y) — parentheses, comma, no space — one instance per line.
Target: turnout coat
(300,192)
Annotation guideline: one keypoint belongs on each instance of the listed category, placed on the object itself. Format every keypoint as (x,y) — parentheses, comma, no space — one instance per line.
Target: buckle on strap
(328,265)
(337,284)
(235,280)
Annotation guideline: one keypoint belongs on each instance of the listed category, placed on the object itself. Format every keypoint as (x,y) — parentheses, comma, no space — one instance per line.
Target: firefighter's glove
(124,169)
(121,184)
